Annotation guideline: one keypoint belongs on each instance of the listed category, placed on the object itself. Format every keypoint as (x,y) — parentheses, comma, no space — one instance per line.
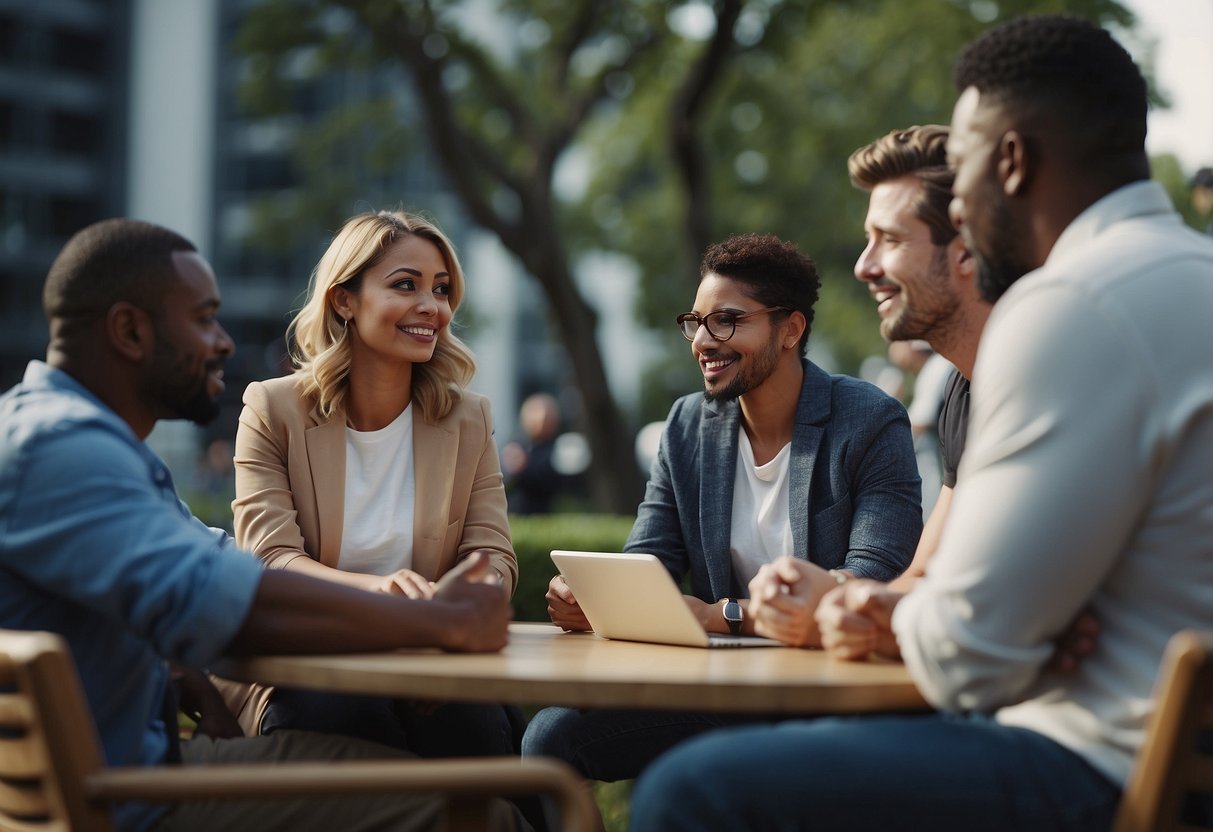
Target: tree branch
(685,113)
(463,157)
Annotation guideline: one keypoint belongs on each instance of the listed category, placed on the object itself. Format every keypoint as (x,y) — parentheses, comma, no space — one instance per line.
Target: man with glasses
(776,457)
(1085,482)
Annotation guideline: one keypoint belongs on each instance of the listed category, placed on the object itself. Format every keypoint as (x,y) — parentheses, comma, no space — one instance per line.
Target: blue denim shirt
(96,546)
(855,492)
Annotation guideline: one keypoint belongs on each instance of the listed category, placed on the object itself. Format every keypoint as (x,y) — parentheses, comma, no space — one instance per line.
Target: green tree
(697,119)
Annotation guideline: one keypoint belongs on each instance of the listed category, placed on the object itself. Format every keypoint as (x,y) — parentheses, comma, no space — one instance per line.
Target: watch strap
(733,615)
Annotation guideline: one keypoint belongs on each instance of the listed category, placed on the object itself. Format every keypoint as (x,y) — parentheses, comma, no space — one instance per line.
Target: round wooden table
(544,666)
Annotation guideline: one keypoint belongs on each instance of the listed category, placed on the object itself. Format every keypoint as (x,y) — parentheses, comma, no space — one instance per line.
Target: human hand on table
(855,620)
(479,606)
(783,597)
(404,582)
(563,608)
(711,616)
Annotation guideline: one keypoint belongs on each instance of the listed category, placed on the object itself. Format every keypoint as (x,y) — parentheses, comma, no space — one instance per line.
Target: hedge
(536,535)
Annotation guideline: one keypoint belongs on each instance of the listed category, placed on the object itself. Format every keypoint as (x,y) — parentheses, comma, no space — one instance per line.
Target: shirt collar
(41,376)
(1136,199)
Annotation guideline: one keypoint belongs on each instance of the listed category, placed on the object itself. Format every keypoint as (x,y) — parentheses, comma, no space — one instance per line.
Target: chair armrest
(455,777)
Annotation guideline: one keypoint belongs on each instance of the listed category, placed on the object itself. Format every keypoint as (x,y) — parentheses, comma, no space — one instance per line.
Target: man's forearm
(296,613)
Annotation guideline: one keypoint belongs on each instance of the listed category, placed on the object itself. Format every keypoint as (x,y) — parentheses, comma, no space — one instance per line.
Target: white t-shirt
(761,529)
(377,537)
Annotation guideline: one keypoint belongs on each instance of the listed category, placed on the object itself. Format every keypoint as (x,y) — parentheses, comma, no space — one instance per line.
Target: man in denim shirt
(96,546)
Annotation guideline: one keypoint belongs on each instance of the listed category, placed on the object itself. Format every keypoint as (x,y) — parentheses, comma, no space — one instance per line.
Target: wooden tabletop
(544,666)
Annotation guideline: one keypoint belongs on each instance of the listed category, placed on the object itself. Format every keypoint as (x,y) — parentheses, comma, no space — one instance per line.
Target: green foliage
(801,86)
(810,83)
(535,536)
(613,800)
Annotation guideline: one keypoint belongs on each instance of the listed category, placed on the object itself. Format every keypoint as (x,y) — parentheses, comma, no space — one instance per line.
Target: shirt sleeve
(658,527)
(89,524)
(1049,489)
(263,513)
(486,523)
(886,494)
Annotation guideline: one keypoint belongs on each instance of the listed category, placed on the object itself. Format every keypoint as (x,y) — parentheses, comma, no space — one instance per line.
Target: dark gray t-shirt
(953,425)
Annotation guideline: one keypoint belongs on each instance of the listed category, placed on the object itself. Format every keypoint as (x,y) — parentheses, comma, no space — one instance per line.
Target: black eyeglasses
(721,324)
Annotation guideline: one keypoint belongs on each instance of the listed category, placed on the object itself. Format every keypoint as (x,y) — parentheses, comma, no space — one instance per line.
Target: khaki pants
(359,813)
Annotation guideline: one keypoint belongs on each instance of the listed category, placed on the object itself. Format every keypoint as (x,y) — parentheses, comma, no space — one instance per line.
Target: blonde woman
(372,465)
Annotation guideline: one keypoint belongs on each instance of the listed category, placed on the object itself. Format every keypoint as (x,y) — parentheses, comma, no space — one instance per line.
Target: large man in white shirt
(1087,481)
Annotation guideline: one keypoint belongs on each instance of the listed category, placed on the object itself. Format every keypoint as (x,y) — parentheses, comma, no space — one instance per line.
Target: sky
(1184,70)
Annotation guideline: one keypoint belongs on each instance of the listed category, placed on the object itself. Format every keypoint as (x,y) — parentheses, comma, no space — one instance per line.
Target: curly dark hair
(919,151)
(775,271)
(1070,69)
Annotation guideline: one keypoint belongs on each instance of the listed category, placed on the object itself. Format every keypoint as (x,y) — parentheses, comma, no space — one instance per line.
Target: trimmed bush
(536,535)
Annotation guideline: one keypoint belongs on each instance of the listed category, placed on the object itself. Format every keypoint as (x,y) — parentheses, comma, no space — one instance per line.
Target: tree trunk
(615,480)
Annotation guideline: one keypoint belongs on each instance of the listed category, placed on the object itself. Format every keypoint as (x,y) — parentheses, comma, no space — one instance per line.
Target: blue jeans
(614,745)
(874,774)
(452,730)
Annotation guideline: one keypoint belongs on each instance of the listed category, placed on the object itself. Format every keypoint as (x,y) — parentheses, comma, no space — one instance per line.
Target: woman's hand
(403,582)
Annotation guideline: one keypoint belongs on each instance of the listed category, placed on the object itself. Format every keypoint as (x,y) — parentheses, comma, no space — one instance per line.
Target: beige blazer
(290,481)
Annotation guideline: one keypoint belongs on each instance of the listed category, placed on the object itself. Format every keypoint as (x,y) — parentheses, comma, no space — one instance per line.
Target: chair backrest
(1174,769)
(48,743)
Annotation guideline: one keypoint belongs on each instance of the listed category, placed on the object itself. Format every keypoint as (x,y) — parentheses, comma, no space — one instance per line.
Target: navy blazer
(855,491)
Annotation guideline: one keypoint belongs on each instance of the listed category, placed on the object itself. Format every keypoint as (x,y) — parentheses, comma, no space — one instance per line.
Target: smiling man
(924,282)
(1085,482)
(96,546)
(775,457)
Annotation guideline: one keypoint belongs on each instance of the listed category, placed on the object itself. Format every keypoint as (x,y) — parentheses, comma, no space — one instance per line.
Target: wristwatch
(733,615)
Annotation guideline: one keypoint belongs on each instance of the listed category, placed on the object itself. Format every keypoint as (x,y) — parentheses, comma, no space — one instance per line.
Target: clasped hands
(802,605)
(789,599)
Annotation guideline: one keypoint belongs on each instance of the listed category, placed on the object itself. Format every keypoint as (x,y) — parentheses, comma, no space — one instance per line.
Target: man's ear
(961,259)
(796,326)
(129,331)
(1014,163)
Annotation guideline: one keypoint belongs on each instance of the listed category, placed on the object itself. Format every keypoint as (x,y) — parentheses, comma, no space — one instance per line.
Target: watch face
(732,611)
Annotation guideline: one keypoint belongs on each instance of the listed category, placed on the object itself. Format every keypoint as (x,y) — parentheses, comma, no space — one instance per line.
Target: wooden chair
(1174,763)
(52,778)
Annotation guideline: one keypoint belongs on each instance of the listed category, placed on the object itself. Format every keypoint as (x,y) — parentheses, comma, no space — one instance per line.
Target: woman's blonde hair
(318,338)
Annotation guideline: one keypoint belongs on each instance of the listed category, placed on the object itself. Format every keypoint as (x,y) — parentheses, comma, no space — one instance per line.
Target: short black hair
(775,270)
(107,262)
(1069,66)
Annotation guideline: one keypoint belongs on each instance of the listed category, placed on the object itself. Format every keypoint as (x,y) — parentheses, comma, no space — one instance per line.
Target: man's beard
(200,408)
(1004,263)
(933,305)
(743,382)
(994,277)
(179,394)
